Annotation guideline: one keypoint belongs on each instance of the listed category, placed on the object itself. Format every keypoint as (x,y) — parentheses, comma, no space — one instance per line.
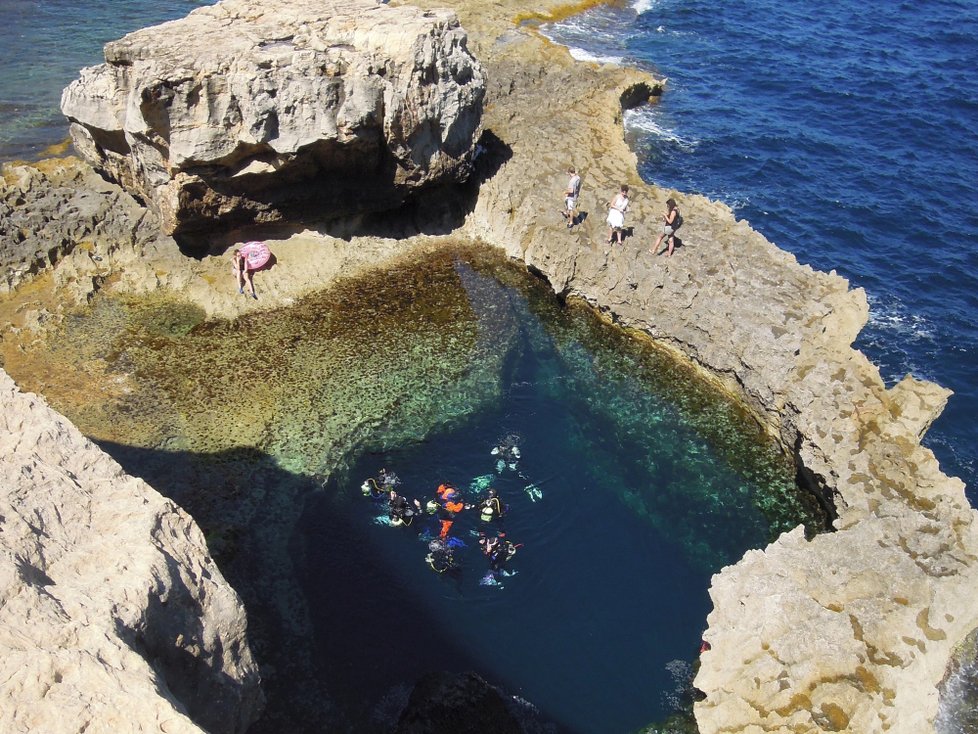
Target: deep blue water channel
(601,622)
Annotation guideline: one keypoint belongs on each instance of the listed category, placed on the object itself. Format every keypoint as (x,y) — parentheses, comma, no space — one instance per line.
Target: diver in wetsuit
(450,505)
(507,453)
(491,508)
(383,484)
(400,511)
(498,550)
(441,557)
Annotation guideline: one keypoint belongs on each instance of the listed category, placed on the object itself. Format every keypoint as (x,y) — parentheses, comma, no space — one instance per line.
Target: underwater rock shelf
(852,630)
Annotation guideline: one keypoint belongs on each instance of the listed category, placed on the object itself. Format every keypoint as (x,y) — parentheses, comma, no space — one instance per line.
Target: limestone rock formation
(49,209)
(243,111)
(113,616)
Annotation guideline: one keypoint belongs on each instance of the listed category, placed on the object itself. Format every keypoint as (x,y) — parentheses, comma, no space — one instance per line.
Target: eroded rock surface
(243,112)
(113,617)
(49,209)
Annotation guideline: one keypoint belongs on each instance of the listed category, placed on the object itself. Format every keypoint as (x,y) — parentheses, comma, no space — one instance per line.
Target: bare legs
(245,277)
(251,283)
(670,241)
(672,245)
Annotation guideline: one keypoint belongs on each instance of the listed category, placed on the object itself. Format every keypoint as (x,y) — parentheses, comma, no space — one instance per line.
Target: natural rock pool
(264,428)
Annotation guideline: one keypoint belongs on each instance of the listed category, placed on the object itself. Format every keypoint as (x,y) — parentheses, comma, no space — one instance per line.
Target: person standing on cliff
(672,220)
(571,195)
(616,213)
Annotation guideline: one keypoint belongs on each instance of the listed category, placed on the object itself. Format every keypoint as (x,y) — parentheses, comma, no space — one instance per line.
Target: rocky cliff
(113,617)
(246,112)
(849,632)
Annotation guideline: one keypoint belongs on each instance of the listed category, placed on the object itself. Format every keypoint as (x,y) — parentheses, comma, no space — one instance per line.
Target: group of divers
(444,508)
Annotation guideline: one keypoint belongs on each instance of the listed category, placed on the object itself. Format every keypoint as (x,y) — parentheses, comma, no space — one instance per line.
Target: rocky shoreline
(851,631)
(113,613)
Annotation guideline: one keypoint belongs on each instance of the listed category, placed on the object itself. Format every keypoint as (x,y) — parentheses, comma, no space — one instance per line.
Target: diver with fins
(507,453)
(381,486)
(446,507)
(400,511)
(441,557)
(498,550)
(491,508)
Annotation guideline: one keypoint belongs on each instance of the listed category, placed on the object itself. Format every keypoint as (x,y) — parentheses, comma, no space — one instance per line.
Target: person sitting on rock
(242,275)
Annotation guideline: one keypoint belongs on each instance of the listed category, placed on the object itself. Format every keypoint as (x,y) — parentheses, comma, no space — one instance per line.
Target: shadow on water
(306,610)
(644,483)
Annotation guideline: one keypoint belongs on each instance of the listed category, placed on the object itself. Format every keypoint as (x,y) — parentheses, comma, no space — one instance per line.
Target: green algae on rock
(381,360)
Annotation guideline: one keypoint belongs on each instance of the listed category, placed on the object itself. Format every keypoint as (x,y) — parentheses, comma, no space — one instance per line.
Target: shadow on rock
(435,210)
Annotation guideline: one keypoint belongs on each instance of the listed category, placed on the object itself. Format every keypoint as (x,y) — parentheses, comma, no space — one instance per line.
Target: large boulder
(113,615)
(247,112)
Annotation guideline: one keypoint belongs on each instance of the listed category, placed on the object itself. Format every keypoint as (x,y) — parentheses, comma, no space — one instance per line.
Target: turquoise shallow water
(648,482)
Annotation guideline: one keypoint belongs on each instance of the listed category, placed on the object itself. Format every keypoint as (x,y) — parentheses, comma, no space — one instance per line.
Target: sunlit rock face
(246,112)
(113,615)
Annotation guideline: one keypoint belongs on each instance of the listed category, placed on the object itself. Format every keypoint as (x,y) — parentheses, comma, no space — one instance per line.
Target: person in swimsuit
(616,213)
(242,275)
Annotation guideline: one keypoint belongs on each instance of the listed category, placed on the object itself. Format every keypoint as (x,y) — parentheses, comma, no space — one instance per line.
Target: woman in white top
(616,213)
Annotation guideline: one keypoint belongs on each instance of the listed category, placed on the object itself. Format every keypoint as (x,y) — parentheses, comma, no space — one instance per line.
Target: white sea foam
(644,6)
(649,121)
(894,317)
(581,55)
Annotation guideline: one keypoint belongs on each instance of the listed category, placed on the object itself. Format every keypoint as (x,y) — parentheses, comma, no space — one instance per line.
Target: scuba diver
(491,508)
(508,452)
(448,505)
(400,511)
(382,485)
(498,550)
(441,557)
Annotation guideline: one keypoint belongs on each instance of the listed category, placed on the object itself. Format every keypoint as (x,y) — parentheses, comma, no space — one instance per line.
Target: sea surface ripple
(845,137)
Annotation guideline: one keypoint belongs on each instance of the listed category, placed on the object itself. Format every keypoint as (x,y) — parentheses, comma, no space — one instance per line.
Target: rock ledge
(245,112)
(112,613)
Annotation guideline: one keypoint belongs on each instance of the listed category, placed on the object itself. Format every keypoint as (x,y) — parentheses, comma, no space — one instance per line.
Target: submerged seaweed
(239,420)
